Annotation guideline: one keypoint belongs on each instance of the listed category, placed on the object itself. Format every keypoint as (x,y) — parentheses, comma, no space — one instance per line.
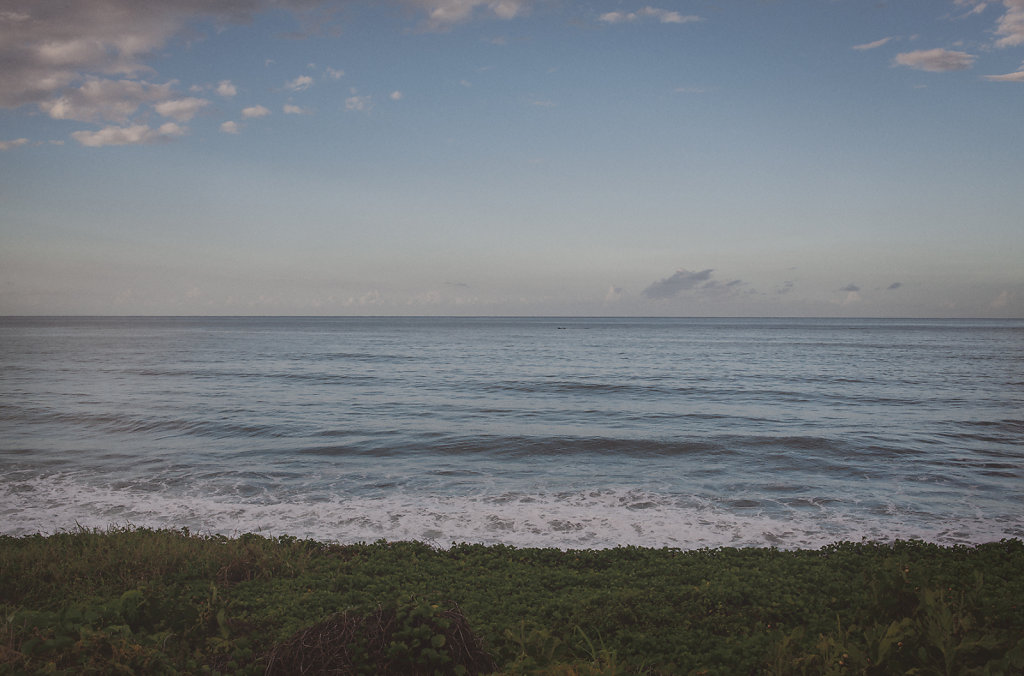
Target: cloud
(1008,77)
(1002,300)
(301,83)
(935,60)
(123,136)
(614,293)
(7,145)
(181,110)
(290,109)
(894,286)
(356,102)
(255,111)
(335,74)
(1011,24)
(396,95)
(661,15)
(229,127)
(46,45)
(226,89)
(111,100)
(441,13)
(872,45)
(978,8)
(682,280)
(851,288)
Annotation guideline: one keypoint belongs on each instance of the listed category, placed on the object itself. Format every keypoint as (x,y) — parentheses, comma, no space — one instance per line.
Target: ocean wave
(589,519)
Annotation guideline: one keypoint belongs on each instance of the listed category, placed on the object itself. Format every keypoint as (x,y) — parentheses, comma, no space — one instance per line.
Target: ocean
(531,432)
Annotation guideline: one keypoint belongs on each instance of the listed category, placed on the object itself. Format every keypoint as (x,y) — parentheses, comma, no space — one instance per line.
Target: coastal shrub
(409,638)
(145,601)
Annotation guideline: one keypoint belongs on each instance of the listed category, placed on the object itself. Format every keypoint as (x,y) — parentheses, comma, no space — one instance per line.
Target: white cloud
(396,95)
(255,111)
(335,74)
(356,102)
(873,45)
(615,293)
(661,15)
(7,145)
(666,16)
(1008,77)
(290,109)
(441,13)
(229,127)
(301,83)
(181,110)
(226,89)
(97,99)
(935,60)
(122,136)
(45,45)
(1011,24)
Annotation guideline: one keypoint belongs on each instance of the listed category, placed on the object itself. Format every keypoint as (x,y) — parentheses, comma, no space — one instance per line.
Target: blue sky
(512,157)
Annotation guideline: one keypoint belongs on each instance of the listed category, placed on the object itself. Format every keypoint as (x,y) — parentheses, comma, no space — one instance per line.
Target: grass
(134,600)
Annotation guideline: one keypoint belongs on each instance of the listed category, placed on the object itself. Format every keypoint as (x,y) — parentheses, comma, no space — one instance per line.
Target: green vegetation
(143,601)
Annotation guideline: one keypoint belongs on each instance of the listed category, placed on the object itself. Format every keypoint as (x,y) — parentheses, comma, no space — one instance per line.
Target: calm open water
(572,433)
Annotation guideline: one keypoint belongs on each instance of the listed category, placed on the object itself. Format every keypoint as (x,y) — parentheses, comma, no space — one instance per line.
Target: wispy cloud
(111,100)
(873,45)
(358,103)
(1011,25)
(935,60)
(301,83)
(181,110)
(1017,76)
(396,95)
(46,45)
(229,127)
(894,286)
(132,135)
(442,13)
(7,145)
(659,15)
(255,111)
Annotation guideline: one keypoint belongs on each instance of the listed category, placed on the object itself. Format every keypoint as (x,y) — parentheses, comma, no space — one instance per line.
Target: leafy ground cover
(146,601)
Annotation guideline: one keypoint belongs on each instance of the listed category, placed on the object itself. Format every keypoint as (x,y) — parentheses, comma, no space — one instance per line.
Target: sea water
(552,432)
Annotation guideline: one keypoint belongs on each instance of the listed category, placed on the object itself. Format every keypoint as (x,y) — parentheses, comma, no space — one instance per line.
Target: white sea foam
(588,519)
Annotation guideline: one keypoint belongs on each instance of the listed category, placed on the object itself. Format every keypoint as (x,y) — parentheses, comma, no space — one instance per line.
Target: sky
(512,157)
